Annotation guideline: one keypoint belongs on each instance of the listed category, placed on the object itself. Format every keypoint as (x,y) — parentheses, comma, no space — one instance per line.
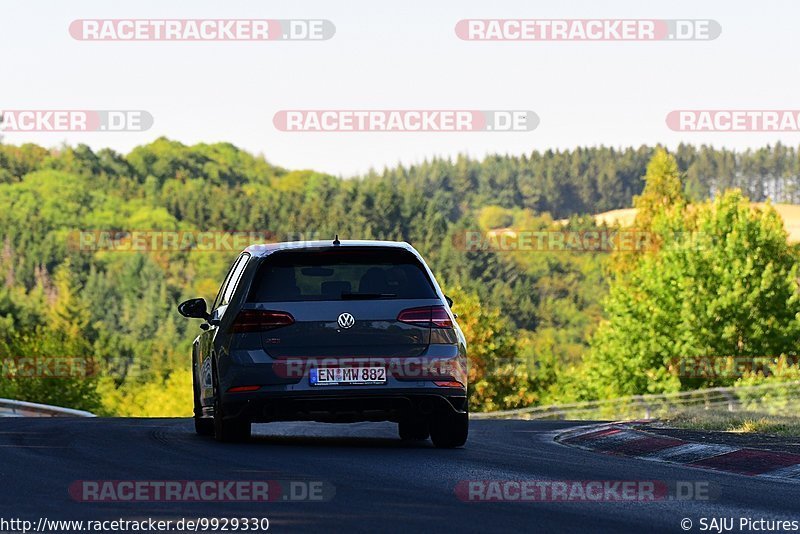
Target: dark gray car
(330,331)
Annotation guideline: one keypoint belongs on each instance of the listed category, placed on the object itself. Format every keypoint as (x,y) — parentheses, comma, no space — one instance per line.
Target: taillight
(260,320)
(449,384)
(428,316)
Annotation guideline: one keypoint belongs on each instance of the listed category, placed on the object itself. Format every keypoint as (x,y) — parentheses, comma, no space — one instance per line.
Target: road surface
(381,484)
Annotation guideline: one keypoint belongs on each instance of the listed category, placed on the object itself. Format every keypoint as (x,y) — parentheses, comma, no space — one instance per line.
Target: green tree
(727,288)
(498,379)
(663,190)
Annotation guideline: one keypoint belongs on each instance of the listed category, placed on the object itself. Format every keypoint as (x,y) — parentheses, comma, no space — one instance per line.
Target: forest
(544,326)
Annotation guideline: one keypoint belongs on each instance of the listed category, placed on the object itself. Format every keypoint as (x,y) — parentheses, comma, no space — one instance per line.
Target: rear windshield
(341,274)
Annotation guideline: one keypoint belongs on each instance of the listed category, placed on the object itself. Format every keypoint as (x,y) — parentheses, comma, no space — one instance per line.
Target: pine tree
(70,314)
(663,190)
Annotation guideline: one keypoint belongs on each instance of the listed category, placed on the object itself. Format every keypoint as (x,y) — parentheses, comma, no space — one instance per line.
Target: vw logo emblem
(345,320)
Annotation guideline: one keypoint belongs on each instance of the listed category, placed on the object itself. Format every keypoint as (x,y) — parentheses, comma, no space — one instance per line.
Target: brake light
(427,316)
(260,320)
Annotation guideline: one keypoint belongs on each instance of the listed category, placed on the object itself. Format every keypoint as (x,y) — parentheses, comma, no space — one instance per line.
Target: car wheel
(413,429)
(228,429)
(449,430)
(202,426)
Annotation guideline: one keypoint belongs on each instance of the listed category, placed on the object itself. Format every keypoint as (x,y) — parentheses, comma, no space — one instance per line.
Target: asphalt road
(381,484)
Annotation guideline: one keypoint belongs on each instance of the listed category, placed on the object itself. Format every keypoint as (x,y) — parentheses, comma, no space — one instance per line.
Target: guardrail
(15,408)
(771,398)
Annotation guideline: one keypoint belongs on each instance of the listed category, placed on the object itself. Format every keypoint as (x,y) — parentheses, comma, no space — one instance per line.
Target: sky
(400,55)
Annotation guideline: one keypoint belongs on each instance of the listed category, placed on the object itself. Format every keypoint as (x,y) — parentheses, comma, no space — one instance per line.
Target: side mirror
(449,301)
(194,309)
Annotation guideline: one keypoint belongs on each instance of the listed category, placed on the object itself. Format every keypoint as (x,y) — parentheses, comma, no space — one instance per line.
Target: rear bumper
(345,406)
(285,392)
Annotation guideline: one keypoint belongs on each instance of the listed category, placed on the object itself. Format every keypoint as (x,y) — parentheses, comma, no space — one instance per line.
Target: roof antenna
(336,240)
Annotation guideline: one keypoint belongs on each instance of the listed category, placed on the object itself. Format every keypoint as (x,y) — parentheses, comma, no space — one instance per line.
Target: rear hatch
(344,302)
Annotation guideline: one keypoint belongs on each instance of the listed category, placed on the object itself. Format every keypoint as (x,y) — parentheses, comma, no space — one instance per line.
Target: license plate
(334,376)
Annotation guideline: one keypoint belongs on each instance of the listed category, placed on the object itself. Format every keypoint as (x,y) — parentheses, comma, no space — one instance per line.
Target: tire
(449,430)
(413,429)
(228,430)
(202,426)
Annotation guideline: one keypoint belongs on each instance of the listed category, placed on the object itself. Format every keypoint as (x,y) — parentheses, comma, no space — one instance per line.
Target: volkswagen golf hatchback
(338,331)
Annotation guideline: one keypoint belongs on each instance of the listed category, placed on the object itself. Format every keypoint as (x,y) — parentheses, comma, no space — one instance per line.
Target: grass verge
(739,422)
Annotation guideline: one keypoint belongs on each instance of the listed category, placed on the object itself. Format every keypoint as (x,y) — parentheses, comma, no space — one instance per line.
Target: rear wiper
(365,296)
